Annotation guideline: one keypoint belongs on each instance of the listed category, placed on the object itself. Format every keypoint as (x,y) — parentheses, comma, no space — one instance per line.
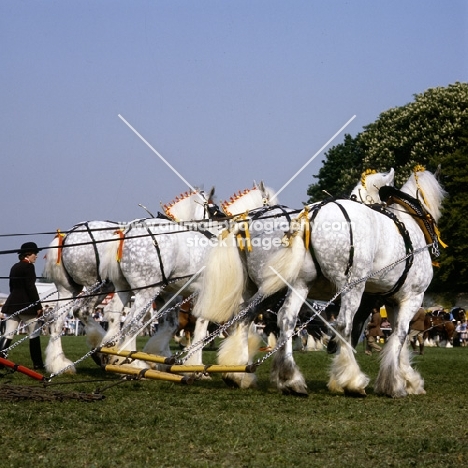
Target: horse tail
(285,264)
(109,267)
(54,270)
(223,282)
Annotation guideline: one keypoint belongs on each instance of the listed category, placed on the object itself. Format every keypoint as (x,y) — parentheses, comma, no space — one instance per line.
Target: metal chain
(209,338)
(18,312)
(46,322)
(124,332)
(346,288)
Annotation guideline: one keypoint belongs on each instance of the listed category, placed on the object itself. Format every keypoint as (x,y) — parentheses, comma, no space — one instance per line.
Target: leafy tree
(452,276)
(428,128)
(334,177)
(423,130)
(431,130)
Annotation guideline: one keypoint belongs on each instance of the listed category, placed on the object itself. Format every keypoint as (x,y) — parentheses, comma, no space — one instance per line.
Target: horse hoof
(358,393)
(230,382)
(332,347)
(290,391)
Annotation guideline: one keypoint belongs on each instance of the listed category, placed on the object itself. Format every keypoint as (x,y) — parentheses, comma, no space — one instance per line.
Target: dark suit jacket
(23,291)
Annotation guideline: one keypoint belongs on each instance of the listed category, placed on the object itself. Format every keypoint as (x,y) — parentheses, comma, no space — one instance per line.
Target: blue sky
(227,91)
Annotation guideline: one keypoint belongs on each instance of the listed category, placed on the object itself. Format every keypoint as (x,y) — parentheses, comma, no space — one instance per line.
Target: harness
(165,281)
(391,195)
(316,209)
(380,209)
(63,238)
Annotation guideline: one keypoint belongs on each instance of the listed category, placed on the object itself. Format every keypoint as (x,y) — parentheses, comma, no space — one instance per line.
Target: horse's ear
(437,172)
(261,186)
(211,193)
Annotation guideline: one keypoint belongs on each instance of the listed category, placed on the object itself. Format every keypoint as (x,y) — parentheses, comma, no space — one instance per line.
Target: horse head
(193,205)
(367,189)
(249,199)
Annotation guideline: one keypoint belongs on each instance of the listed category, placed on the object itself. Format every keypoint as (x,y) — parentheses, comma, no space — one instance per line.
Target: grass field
(206,424)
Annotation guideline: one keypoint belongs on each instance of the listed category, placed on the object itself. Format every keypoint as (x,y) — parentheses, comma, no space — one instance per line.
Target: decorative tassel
(304,218)
(441,242)
(120,247)
(60,236)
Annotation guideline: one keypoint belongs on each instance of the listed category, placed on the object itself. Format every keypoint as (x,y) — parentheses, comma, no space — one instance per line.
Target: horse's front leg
(284,371)
(199,334)
(112,313)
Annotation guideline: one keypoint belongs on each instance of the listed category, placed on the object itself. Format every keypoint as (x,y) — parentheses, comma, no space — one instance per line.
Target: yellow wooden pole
(171,367)
(211,369)
(138,355)
(149,374)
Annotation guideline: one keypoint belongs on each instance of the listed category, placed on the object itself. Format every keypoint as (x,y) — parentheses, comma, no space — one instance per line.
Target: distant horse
(73,263)
(228,262)
(378,251)
(438,329)
(186,325)
(169,260)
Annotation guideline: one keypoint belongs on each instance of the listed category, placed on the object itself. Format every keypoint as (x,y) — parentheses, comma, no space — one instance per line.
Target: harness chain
(348,287)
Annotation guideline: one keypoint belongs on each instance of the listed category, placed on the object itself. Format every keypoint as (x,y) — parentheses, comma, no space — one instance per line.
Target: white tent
(48,292)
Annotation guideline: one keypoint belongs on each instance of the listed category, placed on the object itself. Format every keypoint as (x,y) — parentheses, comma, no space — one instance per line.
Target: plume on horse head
(424,186)
(242,201)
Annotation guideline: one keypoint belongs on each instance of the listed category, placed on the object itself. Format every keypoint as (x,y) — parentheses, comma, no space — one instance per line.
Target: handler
(416,330)
(23,294)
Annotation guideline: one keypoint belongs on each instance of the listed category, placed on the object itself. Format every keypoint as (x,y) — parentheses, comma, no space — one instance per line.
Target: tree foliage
(452,276)
(430,130)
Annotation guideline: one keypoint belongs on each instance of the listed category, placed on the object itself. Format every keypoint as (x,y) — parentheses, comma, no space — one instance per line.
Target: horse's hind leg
(284,371)
(345,374)
(55,359)
(396,377)
(238,349)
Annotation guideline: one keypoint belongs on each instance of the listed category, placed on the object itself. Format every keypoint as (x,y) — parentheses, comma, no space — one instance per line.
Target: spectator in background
(386,328)
(373,331)
(462,331)
(416,330)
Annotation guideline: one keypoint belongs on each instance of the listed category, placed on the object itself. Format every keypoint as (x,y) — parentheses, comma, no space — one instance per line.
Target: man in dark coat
(24,295)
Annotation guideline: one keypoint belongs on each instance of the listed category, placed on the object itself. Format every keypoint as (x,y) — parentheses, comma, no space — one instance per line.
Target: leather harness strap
(380,209)
(158,250)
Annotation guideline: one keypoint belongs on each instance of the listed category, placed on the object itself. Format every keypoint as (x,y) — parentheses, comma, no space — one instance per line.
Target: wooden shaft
(138,355)
(211,369)
(148,373)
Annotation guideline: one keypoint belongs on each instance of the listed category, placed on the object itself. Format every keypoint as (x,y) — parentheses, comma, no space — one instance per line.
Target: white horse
(371,253)
(233,275)
(73,263)
(171,261)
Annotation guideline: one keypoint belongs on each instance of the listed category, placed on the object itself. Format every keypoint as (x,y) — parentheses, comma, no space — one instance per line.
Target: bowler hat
(29,247)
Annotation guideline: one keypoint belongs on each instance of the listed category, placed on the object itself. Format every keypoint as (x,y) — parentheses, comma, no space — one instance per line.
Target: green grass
(161,424)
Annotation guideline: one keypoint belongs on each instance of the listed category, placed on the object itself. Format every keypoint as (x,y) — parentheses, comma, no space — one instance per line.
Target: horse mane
(248,199)
(183,207)
(423,186)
